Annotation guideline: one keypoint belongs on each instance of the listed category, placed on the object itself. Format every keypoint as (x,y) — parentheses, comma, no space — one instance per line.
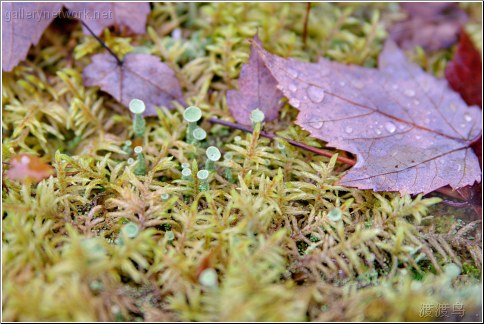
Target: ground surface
(273,239)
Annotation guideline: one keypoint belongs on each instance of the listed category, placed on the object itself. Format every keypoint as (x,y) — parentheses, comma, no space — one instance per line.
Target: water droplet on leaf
(357,84)
(348,129)
(315,94)
(390,127)
(409,92)
(293,73)
(317,125)
(468,117)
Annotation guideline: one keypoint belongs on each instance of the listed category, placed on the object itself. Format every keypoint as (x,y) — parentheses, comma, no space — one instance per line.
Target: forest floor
(272,236)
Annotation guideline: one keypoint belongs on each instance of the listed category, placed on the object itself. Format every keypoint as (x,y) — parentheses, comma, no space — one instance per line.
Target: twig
(445,190)
(306,21)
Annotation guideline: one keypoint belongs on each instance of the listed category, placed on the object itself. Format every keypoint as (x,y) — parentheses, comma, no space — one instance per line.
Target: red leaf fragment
(99,15)
(141,76)
(432,26)
(410,131)
(257,89)
(25,166)
(22,26)
(464,72)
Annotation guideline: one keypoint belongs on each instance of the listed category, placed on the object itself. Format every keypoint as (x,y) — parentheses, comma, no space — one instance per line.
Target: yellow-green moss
(265,231)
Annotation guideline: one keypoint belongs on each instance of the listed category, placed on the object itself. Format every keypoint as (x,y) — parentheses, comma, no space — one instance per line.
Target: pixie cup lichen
(137,107)
(199,134)
(186,174)
(192,115)
(130,229)
(141,165)
(213,155)
(257,116)
(202,175)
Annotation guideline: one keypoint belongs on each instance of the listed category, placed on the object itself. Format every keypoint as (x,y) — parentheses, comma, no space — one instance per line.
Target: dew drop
(315,94)
(468,117)
(293,73)
(417,137)
(459,167)
(409,92)
(390,127)
(295,103)
(402,127)
(378,132)
(357,84)
(317,125)
(342,83)
(395,86)
(292,87)
(463,125)
(348,129)
(425,86)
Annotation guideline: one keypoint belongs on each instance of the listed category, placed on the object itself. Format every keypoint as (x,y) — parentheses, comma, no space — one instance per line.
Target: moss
(263,225)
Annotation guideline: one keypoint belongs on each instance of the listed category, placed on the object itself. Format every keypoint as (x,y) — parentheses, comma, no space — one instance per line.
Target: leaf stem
(444,190)
(292,142)
(103,44)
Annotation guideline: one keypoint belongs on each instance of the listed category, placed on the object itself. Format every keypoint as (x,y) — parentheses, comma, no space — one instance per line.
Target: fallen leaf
(257,89)
(99,15)
(411,133)
(22,26)
(432,26)
(141,76)
(26,166)
(464,72)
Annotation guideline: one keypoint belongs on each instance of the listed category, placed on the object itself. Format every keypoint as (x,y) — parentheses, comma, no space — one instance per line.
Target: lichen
(264,228)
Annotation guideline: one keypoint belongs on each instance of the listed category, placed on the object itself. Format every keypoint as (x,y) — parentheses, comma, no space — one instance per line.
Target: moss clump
(259,240)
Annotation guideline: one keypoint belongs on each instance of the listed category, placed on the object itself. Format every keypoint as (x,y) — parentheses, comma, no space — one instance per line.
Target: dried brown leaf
(26,166)
(141,76)
(22,26)
(430,25)
(99,15)
(410,131)
(257,89)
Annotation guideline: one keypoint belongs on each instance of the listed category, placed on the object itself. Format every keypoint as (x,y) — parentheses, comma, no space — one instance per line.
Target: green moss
(471,270)
(263,224)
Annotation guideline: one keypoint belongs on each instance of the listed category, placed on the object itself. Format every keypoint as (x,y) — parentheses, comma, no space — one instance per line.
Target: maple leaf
(430,25)
(140,76)
(257,89)
(411,133)
(99,15)
(22,26)
(26,166)
(464,72)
